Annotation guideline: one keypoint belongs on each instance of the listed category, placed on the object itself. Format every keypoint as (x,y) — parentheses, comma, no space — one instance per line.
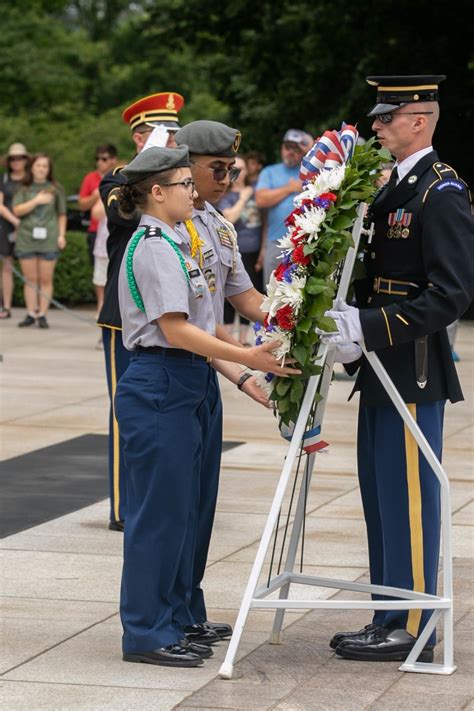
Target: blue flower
(257,326)
(269,377)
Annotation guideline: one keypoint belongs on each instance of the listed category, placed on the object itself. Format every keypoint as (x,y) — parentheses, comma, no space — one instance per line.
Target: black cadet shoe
(116,526)
(174,655)
(382,645)
(27,321)
(201,634)
(339,636)
(202,650)
(42,322)
(222,629)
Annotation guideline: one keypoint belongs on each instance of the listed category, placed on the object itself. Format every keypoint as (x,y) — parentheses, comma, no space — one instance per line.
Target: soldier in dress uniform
(419,280)
(213,147)
(162,408)
(142,116)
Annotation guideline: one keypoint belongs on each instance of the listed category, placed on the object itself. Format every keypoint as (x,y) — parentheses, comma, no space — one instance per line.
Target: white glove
(347,322)
(347,353)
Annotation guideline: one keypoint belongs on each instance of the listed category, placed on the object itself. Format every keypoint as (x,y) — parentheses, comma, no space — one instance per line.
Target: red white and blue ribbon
(333,149)
(312,441)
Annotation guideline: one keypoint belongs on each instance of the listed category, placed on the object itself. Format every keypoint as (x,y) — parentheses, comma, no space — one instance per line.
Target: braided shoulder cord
(132,284)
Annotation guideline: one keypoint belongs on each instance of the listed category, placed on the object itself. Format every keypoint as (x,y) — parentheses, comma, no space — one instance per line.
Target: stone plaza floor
(61,633)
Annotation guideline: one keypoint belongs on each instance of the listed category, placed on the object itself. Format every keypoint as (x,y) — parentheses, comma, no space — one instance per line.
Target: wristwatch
(243,379)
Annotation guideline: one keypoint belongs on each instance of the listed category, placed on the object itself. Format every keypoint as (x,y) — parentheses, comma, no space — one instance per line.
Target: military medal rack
(256,597)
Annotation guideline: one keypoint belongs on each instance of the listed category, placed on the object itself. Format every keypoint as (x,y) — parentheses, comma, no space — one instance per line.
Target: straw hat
(17,149)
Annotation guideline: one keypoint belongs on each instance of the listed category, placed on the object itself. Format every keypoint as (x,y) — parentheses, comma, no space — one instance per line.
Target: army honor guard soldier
(419,280)
(142,116)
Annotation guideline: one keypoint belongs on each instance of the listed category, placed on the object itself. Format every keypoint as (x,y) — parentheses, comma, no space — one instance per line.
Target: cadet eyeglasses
(388,118)
(220,174)
(188,184)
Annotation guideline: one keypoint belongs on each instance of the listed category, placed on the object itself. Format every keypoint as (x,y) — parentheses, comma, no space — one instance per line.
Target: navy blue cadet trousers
(401,501)
(209,485)
(117,359)
(162,407)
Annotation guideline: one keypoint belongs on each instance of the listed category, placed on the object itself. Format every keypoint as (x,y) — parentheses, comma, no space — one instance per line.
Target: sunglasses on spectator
(388,118)
(104,158)
(12,158)
(220,174)
(188,184)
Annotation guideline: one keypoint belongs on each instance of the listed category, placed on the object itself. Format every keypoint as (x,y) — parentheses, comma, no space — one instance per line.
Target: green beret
(209,138)
(155,160)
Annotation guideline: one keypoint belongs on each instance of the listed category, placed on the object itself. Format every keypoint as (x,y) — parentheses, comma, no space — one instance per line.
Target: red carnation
(285,318)
(328,196)
(297,236)
(299,257)
(280,272)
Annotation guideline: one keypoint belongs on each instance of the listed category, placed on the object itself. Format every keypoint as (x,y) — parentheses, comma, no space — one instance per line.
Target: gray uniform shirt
(163,288)
(218,254)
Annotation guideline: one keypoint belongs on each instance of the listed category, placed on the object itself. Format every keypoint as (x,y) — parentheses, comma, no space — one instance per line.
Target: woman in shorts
(41,206)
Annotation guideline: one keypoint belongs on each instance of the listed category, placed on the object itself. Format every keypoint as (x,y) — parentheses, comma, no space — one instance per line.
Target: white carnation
(311,221)
(281,293)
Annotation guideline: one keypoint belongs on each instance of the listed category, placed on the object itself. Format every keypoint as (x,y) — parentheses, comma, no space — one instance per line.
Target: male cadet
(143,116)
(419,280)
(212,150)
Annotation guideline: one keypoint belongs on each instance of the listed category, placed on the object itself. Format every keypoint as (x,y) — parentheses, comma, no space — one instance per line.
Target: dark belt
(173,352)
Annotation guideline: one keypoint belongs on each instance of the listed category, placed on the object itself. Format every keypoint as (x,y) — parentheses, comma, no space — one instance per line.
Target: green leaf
(297,390)
(326,323)
(282,386)
(304,325)
(315,285)
(341,222)
(283,405)
(300,353)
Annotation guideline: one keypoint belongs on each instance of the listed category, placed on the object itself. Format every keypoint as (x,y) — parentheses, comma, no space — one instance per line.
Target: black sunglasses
(388,117)
(104,158)
(220,174)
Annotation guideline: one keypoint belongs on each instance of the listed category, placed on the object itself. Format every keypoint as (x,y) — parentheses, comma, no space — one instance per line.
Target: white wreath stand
(255,597)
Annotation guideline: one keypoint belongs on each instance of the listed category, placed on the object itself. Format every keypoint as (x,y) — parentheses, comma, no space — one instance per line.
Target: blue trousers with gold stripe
(117,359)
(401,500)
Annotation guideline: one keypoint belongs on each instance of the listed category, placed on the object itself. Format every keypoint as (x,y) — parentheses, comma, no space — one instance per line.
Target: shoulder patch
(443,170)
(112,196)
(152,231)
(449,184)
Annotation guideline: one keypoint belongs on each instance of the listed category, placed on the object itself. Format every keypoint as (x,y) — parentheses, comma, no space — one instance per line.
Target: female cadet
(169,323)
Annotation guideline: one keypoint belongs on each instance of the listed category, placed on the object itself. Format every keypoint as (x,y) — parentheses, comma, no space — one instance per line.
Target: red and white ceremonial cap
(155,110)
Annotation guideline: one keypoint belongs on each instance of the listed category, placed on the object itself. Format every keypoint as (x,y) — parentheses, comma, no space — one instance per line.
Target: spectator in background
(239,207)
(17,159)
(255,162)
(106,159)
(41,206)
(276,187)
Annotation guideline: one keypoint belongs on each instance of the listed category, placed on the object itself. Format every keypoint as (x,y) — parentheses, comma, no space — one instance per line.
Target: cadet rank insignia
(211,280)
(225,237)
(399,222)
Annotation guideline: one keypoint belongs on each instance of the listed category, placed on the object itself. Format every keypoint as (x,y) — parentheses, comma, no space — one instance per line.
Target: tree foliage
(69,68)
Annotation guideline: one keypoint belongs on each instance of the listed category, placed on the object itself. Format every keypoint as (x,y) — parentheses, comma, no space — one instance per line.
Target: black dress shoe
(42,322)
(172,656)
(203,650)
(116,526)
(339,636)
(222,629)
(201,634)
(382,645)
(27,321)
